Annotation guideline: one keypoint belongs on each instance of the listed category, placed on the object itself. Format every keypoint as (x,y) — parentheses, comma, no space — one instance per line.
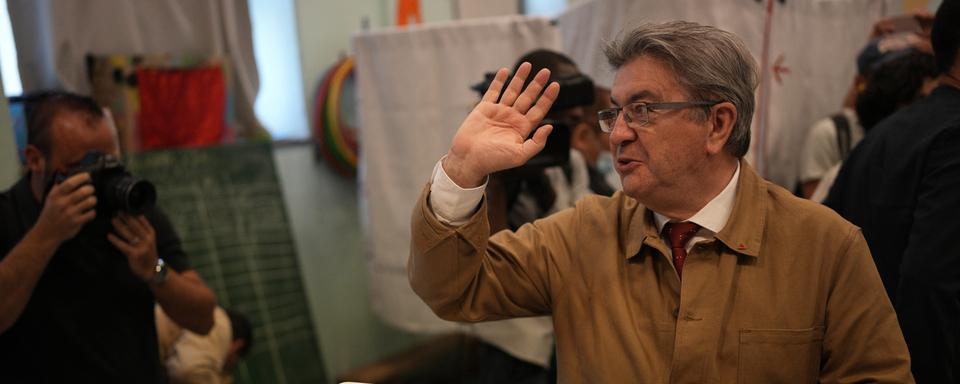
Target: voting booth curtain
(413,92)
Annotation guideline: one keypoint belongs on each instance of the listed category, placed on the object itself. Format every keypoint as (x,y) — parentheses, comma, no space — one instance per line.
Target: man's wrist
(40,236)
(160,272)
(456,169)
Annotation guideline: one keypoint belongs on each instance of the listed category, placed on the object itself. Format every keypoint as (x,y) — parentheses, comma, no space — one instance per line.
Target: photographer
(78,283)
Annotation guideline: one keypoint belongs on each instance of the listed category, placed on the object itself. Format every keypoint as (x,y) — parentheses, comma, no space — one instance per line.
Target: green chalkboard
(228,208)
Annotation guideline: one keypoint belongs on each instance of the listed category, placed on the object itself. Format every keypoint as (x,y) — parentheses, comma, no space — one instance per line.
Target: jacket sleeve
(862,340)
(928,295)
(463,274)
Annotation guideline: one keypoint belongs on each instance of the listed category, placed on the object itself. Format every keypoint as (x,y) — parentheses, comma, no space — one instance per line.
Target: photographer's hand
(183,294)
(136,239)
(68,207)
(494,136)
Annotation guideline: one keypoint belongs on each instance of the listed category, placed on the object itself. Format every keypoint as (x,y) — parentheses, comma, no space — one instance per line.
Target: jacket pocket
(780,355)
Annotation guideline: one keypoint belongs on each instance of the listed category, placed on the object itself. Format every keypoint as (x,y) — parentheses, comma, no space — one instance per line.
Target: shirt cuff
(452,204)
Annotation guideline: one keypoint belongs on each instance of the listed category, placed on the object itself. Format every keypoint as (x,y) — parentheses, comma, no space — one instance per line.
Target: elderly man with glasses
(698,271)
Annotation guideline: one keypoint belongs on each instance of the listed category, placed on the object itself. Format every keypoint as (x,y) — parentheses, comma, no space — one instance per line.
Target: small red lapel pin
(741,246)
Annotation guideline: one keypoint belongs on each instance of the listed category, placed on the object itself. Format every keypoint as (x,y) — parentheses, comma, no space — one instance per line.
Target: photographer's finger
(87,204)
(74,182)
(540,109)
(87,217)
(530,94)
(516,84)
(123,229)
(120,244)
(81,194)
(145,225)
(493,91)
(137,223)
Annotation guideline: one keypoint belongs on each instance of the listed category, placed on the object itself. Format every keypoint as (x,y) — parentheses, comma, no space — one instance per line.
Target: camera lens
(134,195)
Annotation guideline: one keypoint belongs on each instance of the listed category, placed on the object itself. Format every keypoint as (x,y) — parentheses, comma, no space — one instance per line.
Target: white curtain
(815,40)
(53,38)
(414,91)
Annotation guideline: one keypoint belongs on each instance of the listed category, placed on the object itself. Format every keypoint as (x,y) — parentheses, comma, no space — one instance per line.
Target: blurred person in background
(901,185)
(191,358)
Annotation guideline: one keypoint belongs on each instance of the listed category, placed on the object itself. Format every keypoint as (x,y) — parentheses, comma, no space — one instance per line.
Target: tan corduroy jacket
(787,293)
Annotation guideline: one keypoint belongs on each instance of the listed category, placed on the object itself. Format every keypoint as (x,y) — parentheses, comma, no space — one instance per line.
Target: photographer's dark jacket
(901,185)
(89,319)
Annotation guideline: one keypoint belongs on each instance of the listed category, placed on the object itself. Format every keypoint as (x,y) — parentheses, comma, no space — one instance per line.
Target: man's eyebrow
(645,94)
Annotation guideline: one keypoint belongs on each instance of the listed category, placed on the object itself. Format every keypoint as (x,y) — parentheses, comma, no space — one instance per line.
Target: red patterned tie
(679,234)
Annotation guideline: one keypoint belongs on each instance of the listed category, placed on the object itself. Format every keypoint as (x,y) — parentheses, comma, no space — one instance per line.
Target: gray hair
(709,63)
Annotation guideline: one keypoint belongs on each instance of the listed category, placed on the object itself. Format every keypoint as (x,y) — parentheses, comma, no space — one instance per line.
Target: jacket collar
(743,232)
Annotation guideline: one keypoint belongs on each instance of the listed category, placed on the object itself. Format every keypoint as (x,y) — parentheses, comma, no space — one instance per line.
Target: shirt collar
(742,232)
(713,216)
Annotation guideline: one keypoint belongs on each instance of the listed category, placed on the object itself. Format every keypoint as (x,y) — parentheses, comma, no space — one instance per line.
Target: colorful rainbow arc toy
(336,140)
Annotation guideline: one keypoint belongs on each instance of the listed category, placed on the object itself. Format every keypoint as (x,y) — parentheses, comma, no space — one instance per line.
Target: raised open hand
(495,135)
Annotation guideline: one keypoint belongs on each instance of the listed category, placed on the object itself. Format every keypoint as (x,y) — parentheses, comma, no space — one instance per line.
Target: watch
(160,270)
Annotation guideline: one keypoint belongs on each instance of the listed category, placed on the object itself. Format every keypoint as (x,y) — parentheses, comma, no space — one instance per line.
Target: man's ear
(36,161)
(723,117)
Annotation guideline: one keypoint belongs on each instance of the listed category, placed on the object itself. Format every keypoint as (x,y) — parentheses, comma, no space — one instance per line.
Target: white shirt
(820,151)
(712,217)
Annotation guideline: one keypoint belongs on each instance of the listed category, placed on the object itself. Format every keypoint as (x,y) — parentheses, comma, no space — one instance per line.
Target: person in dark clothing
(895,84)
(77,286)
(902,186)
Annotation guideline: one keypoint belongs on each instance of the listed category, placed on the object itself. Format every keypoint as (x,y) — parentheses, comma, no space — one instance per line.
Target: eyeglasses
(638,114)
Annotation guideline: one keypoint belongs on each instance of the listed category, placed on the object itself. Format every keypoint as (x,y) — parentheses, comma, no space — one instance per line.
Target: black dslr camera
(116,188)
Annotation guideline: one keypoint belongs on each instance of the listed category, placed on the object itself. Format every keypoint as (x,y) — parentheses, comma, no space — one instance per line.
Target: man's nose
(621,132)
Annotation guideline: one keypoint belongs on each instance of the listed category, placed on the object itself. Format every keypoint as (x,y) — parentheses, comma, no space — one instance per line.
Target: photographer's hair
(543,58)
(945,36)
(892,85)
(710,64)
(40,109)
(242,330)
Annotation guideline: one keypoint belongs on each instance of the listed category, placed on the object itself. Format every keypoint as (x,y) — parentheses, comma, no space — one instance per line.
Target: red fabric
(679,234)
(181,107)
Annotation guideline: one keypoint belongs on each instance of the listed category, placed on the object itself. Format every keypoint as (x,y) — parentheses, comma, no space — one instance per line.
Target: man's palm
(495,135)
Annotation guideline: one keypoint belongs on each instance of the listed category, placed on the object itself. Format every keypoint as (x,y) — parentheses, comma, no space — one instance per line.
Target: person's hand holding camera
(136,239)
(69,206)
(495,135)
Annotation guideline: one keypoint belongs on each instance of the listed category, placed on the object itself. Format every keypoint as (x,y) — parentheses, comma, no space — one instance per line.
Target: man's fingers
(493,91)
(86,204)
(530,94)
(141,224)
(516,85)
(81,194)
(72,182)
(123,229)
(89,216)
(535,144)
(120,244)
(539,110)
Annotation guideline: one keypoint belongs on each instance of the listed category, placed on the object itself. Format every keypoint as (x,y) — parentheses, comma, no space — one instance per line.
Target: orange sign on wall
(407,10)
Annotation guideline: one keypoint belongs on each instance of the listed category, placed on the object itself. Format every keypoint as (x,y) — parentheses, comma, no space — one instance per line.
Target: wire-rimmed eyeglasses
(638,114)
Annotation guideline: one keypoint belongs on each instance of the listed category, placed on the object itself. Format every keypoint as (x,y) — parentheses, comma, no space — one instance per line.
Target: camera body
(116,188)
